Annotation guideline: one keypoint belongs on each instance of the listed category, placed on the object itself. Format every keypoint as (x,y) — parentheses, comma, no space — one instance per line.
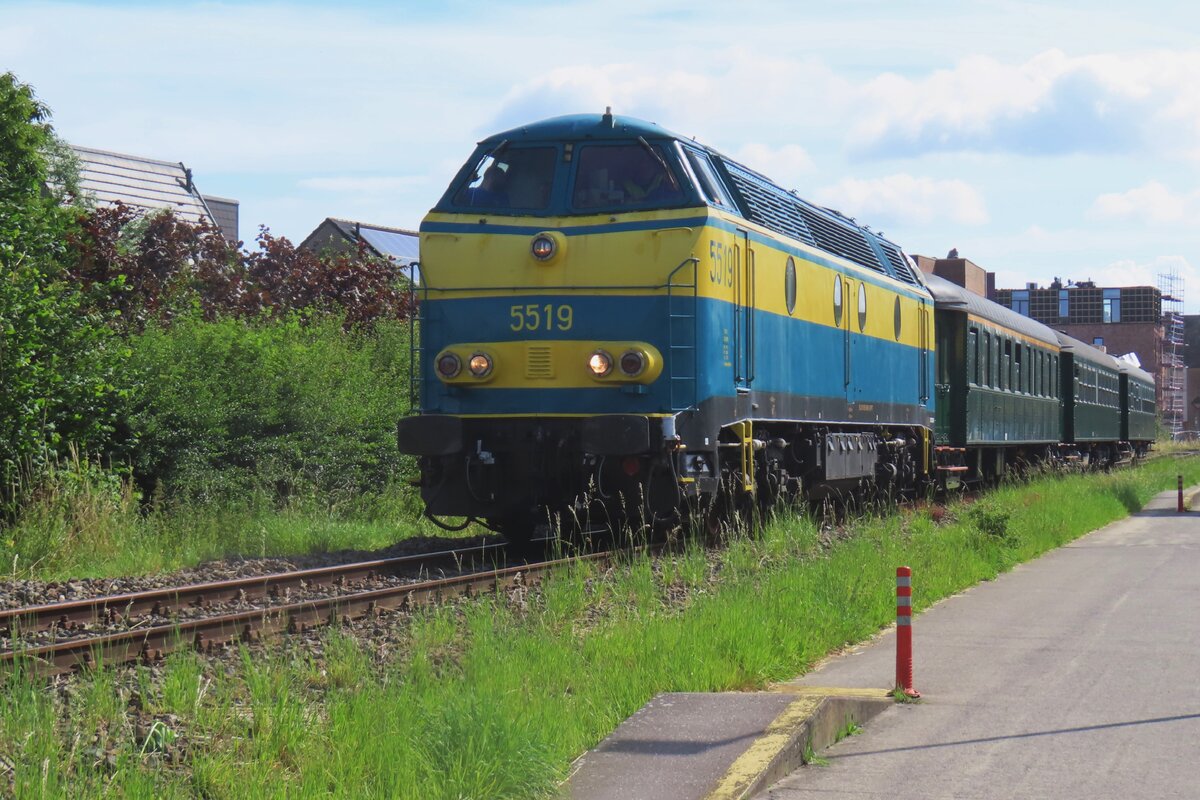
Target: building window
(1064,310)
(1098,341)
(1112,305)
(1020,301)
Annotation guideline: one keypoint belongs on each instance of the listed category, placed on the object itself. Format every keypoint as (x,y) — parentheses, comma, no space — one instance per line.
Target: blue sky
(1040,139)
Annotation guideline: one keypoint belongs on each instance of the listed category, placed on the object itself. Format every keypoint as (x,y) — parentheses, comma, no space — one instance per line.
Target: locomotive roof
(584,126)
(951,296)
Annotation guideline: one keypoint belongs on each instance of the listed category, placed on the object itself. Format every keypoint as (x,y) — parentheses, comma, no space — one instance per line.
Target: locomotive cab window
(510,179)
(618,176)
(706,177)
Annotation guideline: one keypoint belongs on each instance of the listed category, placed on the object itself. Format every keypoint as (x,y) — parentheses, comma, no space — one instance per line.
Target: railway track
(61,637)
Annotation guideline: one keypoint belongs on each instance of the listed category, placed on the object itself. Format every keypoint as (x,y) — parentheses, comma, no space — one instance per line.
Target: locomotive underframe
(621,470)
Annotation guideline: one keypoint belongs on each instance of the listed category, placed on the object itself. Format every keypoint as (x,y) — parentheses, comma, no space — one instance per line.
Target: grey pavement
(676,746)
(1073,676)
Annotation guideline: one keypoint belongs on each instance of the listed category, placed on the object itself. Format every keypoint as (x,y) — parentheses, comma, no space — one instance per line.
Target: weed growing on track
(494,697)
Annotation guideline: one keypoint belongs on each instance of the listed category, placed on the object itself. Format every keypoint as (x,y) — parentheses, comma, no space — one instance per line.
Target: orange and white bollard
(1179,507)
(904,659)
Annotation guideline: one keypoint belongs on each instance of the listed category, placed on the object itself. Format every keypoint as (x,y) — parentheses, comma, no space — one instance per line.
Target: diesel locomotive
(618,323)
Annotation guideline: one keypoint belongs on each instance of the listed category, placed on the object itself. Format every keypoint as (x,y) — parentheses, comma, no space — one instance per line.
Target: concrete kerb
(815,720)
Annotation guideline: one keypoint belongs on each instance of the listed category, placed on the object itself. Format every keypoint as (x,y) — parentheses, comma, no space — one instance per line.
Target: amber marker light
(600,363)
(543,247)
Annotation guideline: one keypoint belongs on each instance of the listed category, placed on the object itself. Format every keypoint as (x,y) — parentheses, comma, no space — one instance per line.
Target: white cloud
(629,89)
(783,164)
(906,200)
(1050,104)
(1130,272)
(1153,202)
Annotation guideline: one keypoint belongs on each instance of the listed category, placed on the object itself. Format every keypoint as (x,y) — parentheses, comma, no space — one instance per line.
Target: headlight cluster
(450,366)
(631,364)
(571,364)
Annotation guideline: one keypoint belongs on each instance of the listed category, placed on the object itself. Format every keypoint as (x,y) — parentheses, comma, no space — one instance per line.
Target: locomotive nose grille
(539,363)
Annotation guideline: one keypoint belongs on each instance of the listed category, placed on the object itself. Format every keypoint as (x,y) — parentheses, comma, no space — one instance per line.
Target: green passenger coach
(1137,408)
(1091,381)
(998,394)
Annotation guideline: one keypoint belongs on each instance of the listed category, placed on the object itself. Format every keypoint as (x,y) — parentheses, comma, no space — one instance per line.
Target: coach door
(743,313)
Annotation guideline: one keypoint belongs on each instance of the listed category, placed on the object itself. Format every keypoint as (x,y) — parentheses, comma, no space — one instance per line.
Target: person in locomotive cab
(491,188)
(646,179)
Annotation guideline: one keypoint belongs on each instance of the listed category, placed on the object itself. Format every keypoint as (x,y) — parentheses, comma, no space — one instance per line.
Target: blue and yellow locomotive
(615,319)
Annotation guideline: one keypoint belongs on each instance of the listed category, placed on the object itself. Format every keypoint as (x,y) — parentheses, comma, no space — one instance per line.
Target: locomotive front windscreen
(512,178)
(614,176)
(580,178)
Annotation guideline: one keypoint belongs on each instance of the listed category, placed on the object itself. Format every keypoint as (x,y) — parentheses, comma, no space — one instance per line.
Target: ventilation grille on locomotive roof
(784,213)
(899,262)
(771,206)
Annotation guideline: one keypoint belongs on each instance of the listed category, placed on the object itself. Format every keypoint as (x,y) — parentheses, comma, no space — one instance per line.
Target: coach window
(1020,379)
(994,361)
(1006,366)
(973,357)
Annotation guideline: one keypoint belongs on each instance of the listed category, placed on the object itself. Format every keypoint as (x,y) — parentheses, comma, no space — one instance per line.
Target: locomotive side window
(624,175)
(710,185)
(789,285)
(837,299)
(862,307)
(510,178)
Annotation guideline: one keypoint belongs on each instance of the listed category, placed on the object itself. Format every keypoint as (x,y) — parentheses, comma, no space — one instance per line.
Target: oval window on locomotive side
(789,285)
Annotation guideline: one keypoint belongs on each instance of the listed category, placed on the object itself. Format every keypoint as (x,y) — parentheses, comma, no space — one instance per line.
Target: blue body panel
(793,357)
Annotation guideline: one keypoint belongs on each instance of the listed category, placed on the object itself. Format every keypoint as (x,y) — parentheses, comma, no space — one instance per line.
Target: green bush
(59,363)
(282,410)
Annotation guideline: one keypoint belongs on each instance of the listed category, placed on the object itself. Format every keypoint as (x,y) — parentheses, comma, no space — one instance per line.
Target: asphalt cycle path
(1073,676)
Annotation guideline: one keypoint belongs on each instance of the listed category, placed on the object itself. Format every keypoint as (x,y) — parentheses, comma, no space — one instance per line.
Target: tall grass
(79,520)
(493,698)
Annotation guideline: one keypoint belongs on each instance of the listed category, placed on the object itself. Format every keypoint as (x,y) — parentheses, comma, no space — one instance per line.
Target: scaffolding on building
(1172,401)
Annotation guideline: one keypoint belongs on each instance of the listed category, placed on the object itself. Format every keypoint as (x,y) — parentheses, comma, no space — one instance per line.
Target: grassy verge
(494,697)
(85,522)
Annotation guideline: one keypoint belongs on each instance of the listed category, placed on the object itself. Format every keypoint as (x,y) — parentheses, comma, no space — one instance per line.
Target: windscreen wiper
(662,162)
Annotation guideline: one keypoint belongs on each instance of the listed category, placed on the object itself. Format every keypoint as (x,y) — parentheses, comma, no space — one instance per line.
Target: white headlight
(600,363)
(480,365)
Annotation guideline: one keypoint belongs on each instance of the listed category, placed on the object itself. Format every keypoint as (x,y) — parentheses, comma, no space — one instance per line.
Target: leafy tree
(58,361)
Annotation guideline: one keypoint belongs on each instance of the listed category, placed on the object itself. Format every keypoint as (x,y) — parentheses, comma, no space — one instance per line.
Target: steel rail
(152,644)
(75,614)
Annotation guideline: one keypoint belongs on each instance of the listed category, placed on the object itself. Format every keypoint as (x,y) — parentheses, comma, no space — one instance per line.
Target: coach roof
(1086,352)
(952,297)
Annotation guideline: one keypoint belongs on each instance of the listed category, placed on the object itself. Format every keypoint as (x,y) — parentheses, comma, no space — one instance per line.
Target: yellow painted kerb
(745,771)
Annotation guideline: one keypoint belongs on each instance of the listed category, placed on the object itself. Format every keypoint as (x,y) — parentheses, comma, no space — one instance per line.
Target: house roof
(145,184)
(396,243)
